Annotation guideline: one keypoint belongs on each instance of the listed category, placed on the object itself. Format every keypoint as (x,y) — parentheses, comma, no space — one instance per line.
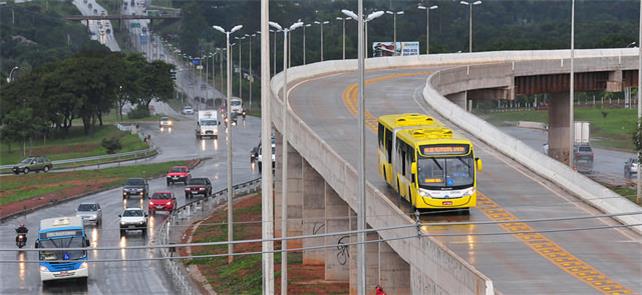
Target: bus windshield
(70,242)
(445,173)
(208,123)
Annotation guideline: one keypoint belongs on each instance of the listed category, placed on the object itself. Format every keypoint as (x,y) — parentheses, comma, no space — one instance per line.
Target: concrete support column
(394,272)
(337,219)
(459,98)
(372,262)
(558,127)
(313,214)
(295,193)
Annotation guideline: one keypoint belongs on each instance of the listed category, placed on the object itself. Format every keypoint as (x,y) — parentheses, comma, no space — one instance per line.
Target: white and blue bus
(62,232)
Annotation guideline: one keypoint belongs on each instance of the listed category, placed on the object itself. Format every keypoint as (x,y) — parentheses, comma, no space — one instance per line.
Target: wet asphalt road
(144,277)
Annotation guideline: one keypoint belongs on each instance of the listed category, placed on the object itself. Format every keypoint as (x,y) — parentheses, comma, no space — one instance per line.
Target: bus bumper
(60,275)
(430,203)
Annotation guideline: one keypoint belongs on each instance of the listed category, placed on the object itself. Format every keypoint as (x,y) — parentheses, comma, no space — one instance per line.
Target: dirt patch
(244,275)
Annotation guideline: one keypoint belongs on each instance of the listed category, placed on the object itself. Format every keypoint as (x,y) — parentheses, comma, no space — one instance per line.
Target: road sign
(196,61)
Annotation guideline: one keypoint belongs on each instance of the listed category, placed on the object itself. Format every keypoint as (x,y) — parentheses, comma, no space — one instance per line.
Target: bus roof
(437,135)
(409,119)
(60,223)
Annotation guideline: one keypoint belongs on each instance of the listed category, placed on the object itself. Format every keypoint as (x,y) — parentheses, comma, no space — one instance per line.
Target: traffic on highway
(209,148)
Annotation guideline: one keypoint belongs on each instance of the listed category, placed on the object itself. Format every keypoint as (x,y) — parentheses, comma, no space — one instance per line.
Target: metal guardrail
(126,156)
(176,270)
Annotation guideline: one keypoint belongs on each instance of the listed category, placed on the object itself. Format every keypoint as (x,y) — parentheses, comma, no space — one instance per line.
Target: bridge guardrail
(118,157)
(194,209)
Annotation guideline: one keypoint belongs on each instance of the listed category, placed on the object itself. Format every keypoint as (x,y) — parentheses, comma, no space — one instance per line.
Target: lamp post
(305,26)
(240,66)
(470,22)
(361,186)
(284,160)
(10,78)
(394,27)
(344,19)
(321,23)
(571,124)
(230,191)
(274,59)
(428,9)
(251,76)
(639,185)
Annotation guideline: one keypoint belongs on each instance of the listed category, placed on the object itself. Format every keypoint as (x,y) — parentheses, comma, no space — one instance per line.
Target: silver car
(90,212)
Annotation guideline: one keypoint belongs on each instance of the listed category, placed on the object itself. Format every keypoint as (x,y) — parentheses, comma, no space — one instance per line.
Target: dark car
(34,163)
(198,186)
(583,158)
(136,187)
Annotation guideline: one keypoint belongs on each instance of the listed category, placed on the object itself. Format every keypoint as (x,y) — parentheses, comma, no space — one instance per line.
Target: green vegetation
(74,145)
(613,130)
(14,188)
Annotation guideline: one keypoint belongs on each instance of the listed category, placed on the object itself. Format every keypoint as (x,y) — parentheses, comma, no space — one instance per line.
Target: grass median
(17,189)
(243,276)
(75,144)
(610,127)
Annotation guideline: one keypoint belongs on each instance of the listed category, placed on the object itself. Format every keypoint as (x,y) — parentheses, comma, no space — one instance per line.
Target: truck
(236,105)
(583,153)
(207,124)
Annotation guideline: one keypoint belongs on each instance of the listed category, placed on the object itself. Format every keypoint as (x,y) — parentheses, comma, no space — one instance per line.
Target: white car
(133,219)
(90,212)
(165,122)
(188,110)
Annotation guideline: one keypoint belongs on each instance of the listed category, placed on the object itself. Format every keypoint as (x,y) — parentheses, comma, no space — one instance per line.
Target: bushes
(138,113)
(111,144)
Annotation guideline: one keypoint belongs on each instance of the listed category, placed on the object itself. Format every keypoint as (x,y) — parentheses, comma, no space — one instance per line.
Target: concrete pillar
(295,193)
(459,98)
(372,262)
(559,129)
(394,272)
(313,214)
(337,219)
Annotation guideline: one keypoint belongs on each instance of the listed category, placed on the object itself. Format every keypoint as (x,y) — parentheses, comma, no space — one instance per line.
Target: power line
(421,235)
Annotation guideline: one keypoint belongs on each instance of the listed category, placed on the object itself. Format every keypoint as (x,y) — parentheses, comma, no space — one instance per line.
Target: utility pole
(639,174)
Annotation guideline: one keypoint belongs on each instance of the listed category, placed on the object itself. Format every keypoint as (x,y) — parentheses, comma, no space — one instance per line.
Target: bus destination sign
(444,149)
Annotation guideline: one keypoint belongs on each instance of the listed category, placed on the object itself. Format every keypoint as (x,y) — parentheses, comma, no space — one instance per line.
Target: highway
(106,39)
(144,277)
(582,262)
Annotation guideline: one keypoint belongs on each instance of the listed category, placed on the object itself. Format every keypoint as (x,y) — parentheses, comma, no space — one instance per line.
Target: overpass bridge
(518,183)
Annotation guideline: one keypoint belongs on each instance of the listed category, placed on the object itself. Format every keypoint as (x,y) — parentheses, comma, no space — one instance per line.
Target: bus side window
(380,135)
(388,140)
(403,158)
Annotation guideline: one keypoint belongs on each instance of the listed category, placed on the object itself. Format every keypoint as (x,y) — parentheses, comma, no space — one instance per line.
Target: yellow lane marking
(539,243)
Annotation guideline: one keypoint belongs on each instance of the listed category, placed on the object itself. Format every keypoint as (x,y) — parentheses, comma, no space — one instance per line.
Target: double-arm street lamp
(428,9)
(361,186)
(230,191)
(284,160)
(394,27)
(470,21)
(344,19)
(321,23)
(10,78)
(369,18)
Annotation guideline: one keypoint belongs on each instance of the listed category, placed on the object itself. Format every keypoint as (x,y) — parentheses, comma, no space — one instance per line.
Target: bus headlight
(424,193)
(469,192)
(43,268)
(83,265)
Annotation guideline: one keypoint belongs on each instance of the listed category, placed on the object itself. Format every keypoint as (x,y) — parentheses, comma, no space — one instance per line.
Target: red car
(178,174)
(162,201)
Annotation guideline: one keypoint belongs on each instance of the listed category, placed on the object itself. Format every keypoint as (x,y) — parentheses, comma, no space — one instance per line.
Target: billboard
(389,48)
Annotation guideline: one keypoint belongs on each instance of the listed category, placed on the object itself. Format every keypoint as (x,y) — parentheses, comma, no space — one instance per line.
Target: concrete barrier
(532,125)
(435,268)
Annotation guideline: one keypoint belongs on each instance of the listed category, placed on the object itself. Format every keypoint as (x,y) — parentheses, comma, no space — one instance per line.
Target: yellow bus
(388,125)
(432,168)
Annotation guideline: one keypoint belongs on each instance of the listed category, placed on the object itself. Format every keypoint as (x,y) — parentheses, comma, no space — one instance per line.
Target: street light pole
(639,174)
(428,9)
(267,203)
(230,191)
(361,186)
(470,22)
(10,78)
(343,19)
(251,77)
(284,161)
(307,25)
(321,23)
(394,27)
(571,123)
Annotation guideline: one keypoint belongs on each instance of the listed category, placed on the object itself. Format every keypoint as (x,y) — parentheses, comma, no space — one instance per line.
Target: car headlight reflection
(83,265)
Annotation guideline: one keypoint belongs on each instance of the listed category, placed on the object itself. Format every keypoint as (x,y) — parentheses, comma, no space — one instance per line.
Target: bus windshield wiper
(462,160)
(437,163)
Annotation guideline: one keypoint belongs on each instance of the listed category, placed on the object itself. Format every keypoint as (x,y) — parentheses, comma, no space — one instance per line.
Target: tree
(156,83)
